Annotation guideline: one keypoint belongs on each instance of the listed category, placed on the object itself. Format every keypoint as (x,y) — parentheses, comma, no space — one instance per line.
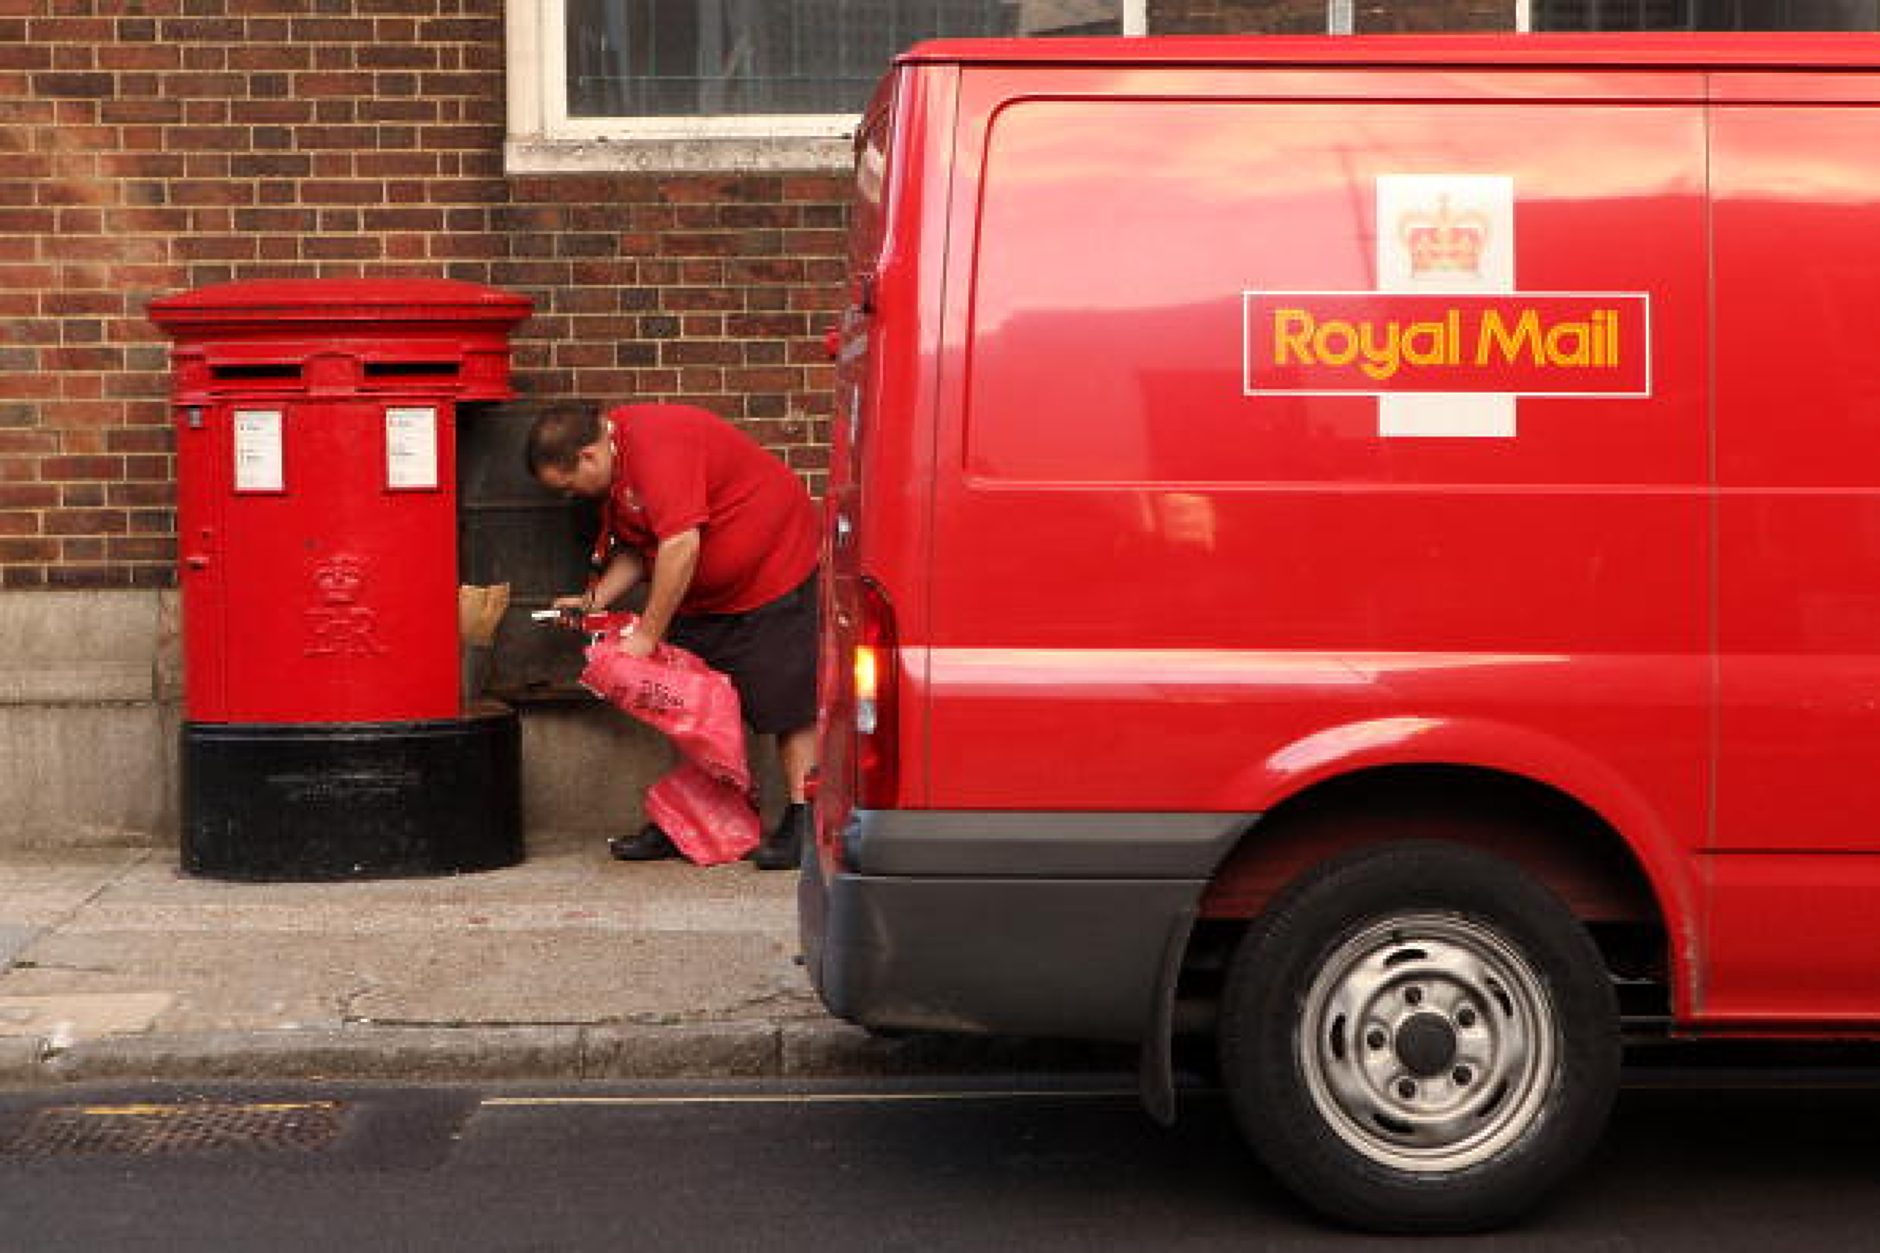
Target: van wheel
(1419,1037)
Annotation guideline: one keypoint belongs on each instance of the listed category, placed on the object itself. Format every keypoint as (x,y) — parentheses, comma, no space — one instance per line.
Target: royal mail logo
(1447,342)
(1376,344)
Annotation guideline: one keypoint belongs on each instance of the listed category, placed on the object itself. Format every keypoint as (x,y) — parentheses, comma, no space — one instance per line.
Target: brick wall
(152,146)
(714,291)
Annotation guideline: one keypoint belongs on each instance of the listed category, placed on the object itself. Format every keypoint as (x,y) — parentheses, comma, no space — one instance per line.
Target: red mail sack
(706,804)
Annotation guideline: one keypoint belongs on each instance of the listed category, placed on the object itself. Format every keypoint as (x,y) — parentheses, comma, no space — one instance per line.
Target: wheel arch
(1554,836)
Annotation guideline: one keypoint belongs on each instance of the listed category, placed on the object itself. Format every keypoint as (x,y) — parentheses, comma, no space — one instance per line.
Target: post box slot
(411,369)
(283,371)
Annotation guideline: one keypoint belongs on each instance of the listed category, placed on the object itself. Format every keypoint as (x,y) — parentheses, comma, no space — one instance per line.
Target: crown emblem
(339,579)
(1444,242)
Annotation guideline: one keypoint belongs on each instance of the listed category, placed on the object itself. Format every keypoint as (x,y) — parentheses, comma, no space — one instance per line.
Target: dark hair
(559,434)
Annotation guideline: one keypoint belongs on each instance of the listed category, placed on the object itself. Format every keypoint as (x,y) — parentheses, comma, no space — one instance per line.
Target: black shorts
(769,652)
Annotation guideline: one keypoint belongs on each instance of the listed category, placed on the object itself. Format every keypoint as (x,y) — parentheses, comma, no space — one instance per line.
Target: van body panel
(1792,943)
(1174,535)
(1797,848)
(1102,398)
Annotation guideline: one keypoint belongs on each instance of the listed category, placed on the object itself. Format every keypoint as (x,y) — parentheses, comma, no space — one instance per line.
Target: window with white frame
(744,84)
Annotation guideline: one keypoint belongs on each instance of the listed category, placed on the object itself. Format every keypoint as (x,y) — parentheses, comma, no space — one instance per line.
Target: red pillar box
(325,736)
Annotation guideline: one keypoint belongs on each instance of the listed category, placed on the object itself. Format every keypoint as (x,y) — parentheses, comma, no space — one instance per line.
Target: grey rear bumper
(1067,925)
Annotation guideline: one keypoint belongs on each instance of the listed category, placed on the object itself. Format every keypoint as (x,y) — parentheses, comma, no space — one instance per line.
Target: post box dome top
(401,300)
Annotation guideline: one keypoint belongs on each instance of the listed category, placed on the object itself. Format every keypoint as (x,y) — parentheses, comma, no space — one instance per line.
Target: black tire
(1418,1037)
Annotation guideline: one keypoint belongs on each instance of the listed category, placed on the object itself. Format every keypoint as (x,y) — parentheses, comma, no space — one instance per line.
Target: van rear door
(856,398)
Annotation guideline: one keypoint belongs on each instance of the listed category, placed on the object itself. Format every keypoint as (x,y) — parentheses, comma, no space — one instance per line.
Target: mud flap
(1155,1063)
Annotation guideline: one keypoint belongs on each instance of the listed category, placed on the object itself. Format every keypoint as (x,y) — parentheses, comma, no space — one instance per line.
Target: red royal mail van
(1369,548)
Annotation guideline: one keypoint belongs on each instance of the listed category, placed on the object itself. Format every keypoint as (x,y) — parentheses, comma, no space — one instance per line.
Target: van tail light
(877,682)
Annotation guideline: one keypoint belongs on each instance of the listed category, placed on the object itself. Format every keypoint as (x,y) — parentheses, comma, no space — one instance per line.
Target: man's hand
(637,644)
(623,570)
(572,609)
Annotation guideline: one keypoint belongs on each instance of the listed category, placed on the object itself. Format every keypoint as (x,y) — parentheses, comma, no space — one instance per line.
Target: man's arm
(673,567)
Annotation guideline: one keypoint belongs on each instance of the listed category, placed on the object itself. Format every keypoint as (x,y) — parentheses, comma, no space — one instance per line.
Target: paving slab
(76,1016)
(41,887)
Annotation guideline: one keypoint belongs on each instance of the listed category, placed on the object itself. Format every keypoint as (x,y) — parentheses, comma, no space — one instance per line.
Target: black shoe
(648,844)
(782,848)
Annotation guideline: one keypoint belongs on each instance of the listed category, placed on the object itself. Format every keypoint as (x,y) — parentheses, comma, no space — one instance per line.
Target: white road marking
(804,1098)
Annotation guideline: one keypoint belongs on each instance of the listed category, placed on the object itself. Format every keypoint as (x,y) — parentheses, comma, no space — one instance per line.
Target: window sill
(701,154)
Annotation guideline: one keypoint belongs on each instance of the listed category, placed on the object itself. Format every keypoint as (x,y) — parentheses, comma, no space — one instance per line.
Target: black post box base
(286,802)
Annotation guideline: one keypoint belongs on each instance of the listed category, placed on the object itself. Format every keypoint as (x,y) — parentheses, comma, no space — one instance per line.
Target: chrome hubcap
(1427,1042)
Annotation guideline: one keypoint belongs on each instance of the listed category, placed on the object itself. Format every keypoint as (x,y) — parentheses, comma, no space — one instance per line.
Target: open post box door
(326,736)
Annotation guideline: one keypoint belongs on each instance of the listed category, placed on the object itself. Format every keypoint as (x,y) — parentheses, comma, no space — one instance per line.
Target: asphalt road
(1691,1163)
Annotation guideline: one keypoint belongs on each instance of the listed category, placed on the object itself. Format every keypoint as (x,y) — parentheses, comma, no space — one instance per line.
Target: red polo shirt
(677,467)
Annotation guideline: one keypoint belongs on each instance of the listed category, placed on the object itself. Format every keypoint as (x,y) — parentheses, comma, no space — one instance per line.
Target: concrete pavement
(116,966)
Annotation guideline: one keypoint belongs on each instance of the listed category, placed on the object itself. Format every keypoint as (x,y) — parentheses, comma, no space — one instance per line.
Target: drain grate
(194,1127)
